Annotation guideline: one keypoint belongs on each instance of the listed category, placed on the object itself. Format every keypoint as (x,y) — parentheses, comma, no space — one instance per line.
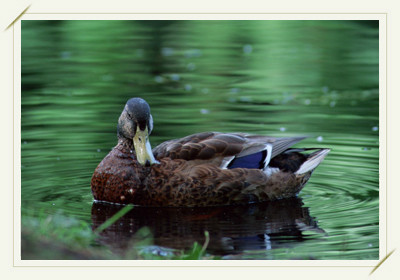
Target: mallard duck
(203,169)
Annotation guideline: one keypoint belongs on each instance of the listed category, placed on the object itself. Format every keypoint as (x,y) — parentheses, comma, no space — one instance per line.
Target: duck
(199,170)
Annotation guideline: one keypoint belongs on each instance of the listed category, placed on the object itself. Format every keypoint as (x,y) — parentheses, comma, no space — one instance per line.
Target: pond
(278,78)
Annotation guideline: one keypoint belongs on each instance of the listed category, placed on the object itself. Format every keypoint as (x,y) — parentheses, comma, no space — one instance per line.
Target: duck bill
(143,151)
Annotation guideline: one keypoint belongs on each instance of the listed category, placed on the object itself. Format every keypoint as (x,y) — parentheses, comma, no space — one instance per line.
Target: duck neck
(126,145)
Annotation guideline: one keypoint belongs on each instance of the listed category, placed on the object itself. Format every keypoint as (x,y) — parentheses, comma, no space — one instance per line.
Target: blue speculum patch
(255,161)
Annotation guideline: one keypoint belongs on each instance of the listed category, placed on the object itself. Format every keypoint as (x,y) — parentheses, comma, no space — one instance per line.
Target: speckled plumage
(193,171)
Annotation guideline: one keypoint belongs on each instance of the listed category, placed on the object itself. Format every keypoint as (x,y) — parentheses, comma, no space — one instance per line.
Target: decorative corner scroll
(17,18)
(382,261)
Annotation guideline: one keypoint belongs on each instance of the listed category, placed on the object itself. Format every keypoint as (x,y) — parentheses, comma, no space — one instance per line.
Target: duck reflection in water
(232,229)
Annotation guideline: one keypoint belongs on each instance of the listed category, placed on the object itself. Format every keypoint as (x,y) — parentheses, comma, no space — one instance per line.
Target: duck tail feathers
(313,160)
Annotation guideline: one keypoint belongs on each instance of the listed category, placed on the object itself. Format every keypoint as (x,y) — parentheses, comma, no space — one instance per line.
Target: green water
(277,78)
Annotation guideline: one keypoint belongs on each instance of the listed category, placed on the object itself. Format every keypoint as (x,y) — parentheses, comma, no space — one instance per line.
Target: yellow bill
(143,148)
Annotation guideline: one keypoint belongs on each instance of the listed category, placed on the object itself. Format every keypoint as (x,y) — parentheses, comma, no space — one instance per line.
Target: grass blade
(114,218)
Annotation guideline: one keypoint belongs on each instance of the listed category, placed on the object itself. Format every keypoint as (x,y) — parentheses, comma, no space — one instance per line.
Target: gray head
(136,114)
(136,124)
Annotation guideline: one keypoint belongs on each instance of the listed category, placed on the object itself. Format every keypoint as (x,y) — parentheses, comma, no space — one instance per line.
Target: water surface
(277,78)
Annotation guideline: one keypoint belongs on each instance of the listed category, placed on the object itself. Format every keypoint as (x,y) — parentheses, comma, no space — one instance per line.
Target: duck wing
(226,150)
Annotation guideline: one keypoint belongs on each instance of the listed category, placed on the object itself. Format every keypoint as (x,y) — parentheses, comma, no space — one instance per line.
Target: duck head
(136,124)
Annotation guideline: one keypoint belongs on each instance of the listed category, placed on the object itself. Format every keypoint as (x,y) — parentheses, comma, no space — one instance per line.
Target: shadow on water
(232,229)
